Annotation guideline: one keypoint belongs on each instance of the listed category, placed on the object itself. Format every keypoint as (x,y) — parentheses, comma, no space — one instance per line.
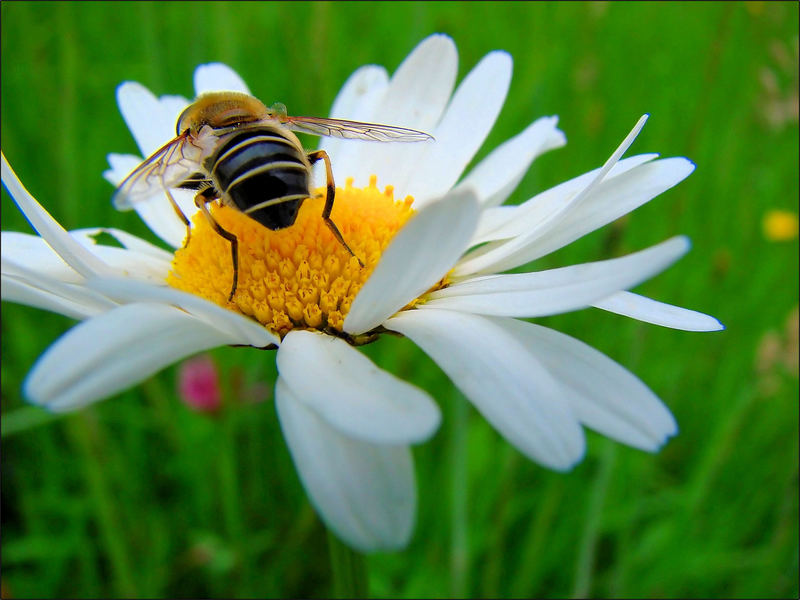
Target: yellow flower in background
(780,225)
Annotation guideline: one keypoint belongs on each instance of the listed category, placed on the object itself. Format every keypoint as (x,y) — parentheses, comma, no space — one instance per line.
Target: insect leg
(182,216)
(201,200)
(331,192)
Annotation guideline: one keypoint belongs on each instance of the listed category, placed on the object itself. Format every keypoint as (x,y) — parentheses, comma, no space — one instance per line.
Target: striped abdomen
(263,173)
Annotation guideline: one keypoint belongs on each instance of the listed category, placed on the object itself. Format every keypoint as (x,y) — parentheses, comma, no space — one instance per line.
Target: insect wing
(354,130)
(166,168)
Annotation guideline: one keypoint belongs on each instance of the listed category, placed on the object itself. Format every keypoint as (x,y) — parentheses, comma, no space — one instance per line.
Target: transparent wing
(168,167)
(353,130)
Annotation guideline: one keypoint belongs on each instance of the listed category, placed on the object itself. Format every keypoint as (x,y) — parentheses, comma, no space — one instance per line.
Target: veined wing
(353,130)
(167,167)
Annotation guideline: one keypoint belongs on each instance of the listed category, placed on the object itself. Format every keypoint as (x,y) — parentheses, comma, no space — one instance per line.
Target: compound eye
(179,126)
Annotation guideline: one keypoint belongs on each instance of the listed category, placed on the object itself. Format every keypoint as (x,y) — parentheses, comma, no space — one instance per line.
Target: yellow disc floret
(297,277)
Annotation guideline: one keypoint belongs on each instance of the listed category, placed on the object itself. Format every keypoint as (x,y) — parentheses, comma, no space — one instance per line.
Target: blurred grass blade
(26,418)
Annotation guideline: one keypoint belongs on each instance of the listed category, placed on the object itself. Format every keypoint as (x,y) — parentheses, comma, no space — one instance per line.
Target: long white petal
(605,396)
(44,289)
(145,266)
(497,175)
(75,255)
(557,291)
(113,351)
(156,212)
(548,217)
(353,395)
(503,379)
(421,253)
(356,98)
(532,217)
(432,169)
(39,257)
(218,77)
(171,108)
(611,199)
(416,98)
(355,101)
(420,88)
(36,256)
(236,327)
(14,289)
(601,174)
(608,201)
(151,123)
(121,165)
(659,313)
(129,241)
(365,493)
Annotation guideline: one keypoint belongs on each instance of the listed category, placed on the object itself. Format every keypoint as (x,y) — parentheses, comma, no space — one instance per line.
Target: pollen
(299,277)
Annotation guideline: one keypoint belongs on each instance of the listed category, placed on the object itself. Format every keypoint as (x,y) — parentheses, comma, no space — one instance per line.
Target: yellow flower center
(297,277)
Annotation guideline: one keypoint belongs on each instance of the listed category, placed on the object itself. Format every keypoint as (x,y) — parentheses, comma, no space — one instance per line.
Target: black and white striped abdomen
(263,174)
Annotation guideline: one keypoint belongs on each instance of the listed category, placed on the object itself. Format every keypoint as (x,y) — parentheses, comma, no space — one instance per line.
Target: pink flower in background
(198,384)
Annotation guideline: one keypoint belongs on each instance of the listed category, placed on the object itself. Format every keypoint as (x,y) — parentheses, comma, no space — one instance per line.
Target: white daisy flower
(432,264)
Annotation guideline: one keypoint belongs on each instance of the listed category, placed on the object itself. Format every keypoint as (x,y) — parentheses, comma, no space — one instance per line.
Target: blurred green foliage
(138,496)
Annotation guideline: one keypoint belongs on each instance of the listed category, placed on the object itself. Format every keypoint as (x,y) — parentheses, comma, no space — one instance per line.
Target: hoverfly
(232,148)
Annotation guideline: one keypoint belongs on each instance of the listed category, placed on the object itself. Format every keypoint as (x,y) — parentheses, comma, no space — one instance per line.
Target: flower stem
(349,570)
(85,434)
(582,584)
(459,552)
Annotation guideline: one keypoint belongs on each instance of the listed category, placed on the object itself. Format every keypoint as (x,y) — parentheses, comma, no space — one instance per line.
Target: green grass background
(138,496)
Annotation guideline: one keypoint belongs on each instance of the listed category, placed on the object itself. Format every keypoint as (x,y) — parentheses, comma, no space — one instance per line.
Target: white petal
(365,493)
(151,123)
(494,220)
(354,396)
(121,165)
(421,253)
(156,212)
(532,216)
(613,159)
(46,290)
(421,86)
(608,201)
(356,101)
(149,264)
(36,256)
(236,327)
(113,351)
(603,173)
(129,241)
(432,169)
(604,395)
(218,77)
(555,291)
(503,379)
(172,107)
(144,266)
(659,313)
(416,98)
(498,174)
(75,255)
(23,292)
(549,217)
(611,199)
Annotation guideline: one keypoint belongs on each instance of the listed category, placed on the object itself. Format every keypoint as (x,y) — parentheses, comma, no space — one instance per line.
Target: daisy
(434,245)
